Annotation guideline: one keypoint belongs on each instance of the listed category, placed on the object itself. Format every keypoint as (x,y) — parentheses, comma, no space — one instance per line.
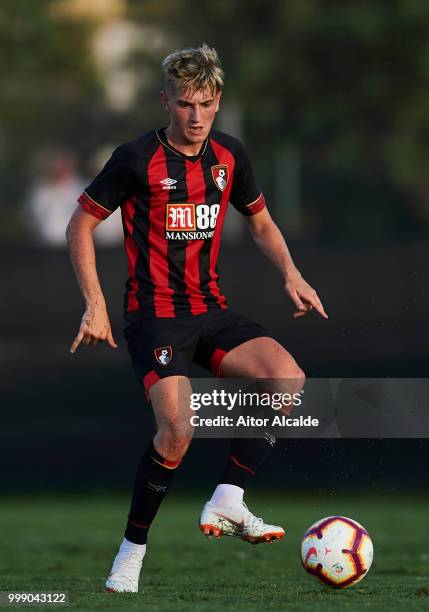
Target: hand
(94,328)
(302,295)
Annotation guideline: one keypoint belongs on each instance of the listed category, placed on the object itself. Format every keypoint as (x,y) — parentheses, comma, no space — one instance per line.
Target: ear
(165,101)
(217,98)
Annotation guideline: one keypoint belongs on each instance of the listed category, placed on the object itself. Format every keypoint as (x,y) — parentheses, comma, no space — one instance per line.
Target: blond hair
(193,69)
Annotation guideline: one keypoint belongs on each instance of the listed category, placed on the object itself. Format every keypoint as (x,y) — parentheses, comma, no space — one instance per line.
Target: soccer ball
(337,550)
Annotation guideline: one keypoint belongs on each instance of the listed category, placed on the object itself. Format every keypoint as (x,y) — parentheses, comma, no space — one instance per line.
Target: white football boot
(237,521)
(125,572)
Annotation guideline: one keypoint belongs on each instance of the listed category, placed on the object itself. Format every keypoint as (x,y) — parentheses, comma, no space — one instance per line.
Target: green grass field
(68,544)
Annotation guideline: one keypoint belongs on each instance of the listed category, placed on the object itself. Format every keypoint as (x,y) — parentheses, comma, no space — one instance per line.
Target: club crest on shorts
(220,175)
(163,355)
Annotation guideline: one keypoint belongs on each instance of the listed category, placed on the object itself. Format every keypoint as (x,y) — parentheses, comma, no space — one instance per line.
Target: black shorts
(162,346)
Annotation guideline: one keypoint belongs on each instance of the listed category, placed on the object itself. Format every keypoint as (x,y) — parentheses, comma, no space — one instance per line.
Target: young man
(173,186)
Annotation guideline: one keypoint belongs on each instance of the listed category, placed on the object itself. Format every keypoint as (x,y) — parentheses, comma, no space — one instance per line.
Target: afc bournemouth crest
(163,355)
(220,176)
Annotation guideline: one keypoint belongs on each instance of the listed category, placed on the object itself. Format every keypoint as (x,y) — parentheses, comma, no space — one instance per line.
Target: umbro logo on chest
(168,183)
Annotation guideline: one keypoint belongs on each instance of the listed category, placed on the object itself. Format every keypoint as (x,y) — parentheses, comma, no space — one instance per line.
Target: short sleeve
(245,195)
(111,187)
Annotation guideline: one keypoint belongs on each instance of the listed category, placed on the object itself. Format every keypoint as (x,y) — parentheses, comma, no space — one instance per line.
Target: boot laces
(250,519)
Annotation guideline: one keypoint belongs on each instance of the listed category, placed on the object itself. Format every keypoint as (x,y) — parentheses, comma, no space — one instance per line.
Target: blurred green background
(330,97)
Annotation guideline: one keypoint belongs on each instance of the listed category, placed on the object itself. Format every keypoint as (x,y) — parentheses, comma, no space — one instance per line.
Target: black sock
(246,456)
(153,477)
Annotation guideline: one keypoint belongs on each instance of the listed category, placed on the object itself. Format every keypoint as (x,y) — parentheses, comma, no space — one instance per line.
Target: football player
(173,186)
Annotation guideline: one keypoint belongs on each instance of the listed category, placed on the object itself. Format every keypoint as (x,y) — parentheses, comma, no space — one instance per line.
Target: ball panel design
(337,550)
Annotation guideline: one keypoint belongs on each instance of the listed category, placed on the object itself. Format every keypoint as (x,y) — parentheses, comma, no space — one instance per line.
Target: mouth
(196,129)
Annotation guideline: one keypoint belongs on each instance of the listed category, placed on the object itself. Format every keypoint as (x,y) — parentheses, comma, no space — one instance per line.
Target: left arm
(269,239)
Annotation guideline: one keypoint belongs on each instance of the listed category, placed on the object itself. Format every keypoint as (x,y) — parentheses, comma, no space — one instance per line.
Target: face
(191,113)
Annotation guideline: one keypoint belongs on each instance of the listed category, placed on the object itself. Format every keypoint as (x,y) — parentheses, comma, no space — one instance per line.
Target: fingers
(92,340)
(296,300)
(76,342)
(319,306)
(311,300)
(110,340)
(301,313)
(296,315)
(304,297)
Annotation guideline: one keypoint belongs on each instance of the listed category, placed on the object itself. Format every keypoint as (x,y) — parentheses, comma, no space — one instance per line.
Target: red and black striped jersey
(173,207)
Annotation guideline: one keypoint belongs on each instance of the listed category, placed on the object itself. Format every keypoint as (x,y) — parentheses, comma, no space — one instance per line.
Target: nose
(195,113)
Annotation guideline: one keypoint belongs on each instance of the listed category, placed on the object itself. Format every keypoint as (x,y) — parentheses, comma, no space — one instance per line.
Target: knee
(289,371)
(299,377)
(290,381)
(173,440)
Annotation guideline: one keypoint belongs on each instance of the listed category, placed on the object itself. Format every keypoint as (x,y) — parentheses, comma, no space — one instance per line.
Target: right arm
(95,325)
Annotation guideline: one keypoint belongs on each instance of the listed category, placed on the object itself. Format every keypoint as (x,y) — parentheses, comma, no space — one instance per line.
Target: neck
(178,142)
